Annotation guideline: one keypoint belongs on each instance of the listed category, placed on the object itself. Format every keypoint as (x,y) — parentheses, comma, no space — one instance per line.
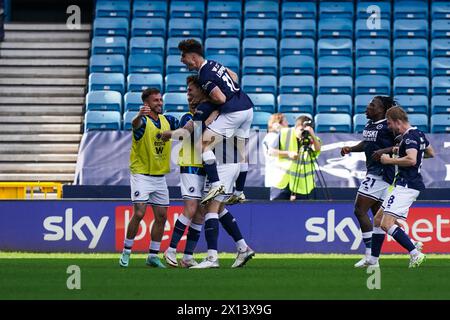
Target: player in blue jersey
(236,114)
(413,148)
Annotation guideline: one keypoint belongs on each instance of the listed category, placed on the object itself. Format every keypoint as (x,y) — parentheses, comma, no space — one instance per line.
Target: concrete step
(41,100)
(51,177)
(48,110)
(48,157)
(38,148)
(41,119)
(45,62)
(25,167)
(32,53)
(43,72)
(43,27)
(46,45)
(41,91)
(43,81)
(41,128)
(40,137)
(47,36)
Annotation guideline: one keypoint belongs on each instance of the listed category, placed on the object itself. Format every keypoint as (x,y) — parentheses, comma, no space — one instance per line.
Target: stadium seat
(411,85)
(373,47)
(104,100)
(440,67)
(359,122)
(335,28)
(261,10)
(181,27)
(411,28)
(440,85)
(361,102)
(334,103)
(298,10)
(259,84)
(410,47)
(112,9)
(107,63)
(223,28)
(145,63)
(230,61)
(149,9)
(440,48)
(335,85)
(111,27)
(260,120)
(440,104)
(298,28)
(335,65)
(374,65)
(334,9)
(187,9)
(148,27)
(175,101)
(420,121)
(109,45)
(263,102)
(373,84)
(154,45)
(174,65)
(222,46)
(295,103)
(440,10)
(297,65)
(440,123)
(366,9)
(132,101)
(290,46)
(292,117)
(334,47)
(362,30)
(107,81)
(260,47)
(140,81)
(440,28)
(172,44)
(264,28)
(413,103)
(411,10)
(333,122)
(224,10)
(128,116)
(102,120)
(411,66)
(297,84)
(260,65)
(175,82)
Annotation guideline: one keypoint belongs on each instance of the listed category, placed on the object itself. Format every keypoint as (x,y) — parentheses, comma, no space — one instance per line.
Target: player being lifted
(236,114)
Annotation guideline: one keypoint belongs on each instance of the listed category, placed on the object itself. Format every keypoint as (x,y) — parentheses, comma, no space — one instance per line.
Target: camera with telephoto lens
(306,137)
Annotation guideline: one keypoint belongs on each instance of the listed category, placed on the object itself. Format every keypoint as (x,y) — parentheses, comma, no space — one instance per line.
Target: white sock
(241,245)
(238,193)
(414,252)
(154,245)
(373,260)
(212,253)
(128,243)
(215,184)
(368,252)
(187,257)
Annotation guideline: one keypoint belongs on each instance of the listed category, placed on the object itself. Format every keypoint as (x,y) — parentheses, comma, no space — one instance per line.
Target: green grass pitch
(267,276)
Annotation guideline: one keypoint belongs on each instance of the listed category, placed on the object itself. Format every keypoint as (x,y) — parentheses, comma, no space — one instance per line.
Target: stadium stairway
(43,74)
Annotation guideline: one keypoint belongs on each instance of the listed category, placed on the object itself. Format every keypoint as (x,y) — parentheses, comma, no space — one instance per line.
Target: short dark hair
(387,102)
(148,92)
(193,79)
(191,46)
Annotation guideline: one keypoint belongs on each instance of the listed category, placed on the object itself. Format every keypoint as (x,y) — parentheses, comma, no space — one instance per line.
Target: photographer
(296,150)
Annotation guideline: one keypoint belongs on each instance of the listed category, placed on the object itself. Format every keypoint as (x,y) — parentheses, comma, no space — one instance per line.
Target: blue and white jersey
(376,136)
(410,177)
(211,75)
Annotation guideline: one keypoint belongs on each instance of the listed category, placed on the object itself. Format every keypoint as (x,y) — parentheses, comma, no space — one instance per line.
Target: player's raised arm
(137,120)
(407,161)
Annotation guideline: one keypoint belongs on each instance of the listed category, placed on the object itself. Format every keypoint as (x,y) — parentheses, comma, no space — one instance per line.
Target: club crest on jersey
(380,126)
(136,193)
(191,189)
(158,136)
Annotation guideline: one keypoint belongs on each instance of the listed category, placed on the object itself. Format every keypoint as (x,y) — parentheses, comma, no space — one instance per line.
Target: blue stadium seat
(375,85)
(154,45)
(292,117)
(359,122)
(181,27)
(222,46)
(411,85)
(259,84)
(224,10)
(260,65)
(223,28)
(420,121)
(362,31)
(298,28)
(295,103)
(107,63)
(334,9)
(175,101)
(128,116)
(297,65)
(260,47)
(174,65)
(335,47)
(111,27)
(440,28)
(440,10)
(411,28)
(411,66)
(102,120)
(298,10)
(373,47)
(260,10)
(187,9)
(335,65)
(264,28)
(413,103)
(335,85)
(149,9)
(291,46)
(297,84)
(260,120)
(440,48)
(230,61)
(140,81)
(333,122)
(440,67)
(440,123)
(145,63)
(104,100)
(148,27)
(366,9)
(107,81)
(334,103)
(411,10)
(176,82)
(335,28)
(132,101)
(440,104)
(440,85)
(116,9)
(109,45)
(361,102)
(172,44)
(263,102)
(410,47)
(177,115)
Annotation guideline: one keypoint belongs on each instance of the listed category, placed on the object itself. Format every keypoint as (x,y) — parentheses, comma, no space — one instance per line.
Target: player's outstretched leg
(362,206)
(171,253)
(191,242)
(211,235)
(133,227)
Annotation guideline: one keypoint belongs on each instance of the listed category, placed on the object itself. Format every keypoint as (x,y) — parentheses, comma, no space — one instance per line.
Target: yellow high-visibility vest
(188,155)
